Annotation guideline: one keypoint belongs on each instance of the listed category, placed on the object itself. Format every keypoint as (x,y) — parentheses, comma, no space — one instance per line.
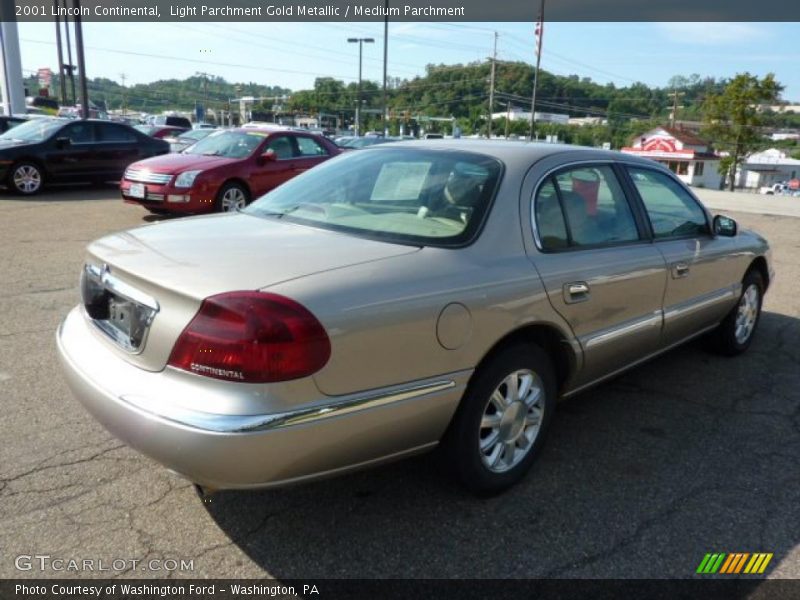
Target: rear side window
(670,208)
(114,133)
(583,206)
(549,219)
(309,147)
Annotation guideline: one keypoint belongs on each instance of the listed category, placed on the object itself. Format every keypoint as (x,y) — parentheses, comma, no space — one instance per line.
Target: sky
(292,55)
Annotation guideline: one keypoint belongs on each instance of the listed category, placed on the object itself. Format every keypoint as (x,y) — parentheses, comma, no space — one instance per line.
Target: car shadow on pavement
(66,192)
(641,477)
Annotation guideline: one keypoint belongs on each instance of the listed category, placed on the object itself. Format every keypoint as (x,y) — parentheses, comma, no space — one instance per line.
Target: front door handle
(679,270)
(577,291)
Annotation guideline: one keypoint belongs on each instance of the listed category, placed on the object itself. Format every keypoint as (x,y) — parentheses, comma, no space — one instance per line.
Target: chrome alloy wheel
(747,314)
(233,199)
(27,179)
(511,420)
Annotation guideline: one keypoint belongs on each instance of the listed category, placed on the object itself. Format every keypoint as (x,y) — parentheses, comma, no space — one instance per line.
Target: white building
(687,155)
(767,167)
(516,114)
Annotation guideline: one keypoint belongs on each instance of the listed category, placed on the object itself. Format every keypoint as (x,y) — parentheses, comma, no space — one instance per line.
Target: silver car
(391,300)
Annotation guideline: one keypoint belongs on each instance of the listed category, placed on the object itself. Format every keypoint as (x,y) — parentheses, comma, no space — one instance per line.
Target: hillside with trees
(445,91)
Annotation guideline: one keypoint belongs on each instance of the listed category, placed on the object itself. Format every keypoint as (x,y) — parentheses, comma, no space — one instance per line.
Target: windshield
(148,129)
(398,194)
(35,130)
(363,142)
(230,144)
(194,135)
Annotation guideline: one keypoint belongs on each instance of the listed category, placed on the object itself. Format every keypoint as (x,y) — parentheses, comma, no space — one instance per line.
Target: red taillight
(252,337)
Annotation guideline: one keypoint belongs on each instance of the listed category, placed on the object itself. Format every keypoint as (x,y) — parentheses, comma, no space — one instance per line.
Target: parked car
(50,150)
(181,142)
(356,143)
(172,120)
(204,126)
(7,123)
(398,298)
(161,131)
(223,171)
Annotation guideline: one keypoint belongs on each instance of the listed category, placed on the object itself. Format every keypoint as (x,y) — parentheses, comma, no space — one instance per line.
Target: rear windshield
(418,196)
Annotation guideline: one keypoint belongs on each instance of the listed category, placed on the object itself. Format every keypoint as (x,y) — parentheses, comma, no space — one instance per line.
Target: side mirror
(725,226)
(269,156)
(63,142)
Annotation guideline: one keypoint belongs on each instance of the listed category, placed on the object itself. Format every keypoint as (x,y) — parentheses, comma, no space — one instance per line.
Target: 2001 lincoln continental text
(398,298)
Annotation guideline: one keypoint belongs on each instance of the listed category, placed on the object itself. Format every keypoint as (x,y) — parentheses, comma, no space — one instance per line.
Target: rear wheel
(502,420)
(734,334)
(26,178)
(232,197)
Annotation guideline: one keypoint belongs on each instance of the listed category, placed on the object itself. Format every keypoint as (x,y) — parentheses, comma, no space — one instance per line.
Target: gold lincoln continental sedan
(397,298)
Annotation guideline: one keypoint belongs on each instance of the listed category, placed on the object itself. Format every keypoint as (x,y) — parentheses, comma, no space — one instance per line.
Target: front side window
(397,194)
(282,146)
(594,209)
(80,133)
(671,209)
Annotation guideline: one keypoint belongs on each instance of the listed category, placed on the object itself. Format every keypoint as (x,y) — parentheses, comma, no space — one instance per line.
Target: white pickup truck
(775,188)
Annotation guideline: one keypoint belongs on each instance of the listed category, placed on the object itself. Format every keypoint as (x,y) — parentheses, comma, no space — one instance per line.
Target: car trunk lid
(177,264)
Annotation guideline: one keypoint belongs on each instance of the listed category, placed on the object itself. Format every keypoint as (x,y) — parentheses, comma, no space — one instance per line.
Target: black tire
(231,188)
(35,173)
(724,339)
(462,449)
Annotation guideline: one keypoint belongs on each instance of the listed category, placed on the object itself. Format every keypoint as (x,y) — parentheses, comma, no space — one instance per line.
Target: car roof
(518,153)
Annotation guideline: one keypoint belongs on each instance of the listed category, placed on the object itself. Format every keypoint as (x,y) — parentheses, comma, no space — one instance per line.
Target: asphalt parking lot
(689,454)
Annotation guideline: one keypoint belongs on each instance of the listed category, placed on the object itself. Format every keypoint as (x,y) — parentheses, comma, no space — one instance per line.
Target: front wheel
(734,334)
(232,197)
(502,420)
(26,178)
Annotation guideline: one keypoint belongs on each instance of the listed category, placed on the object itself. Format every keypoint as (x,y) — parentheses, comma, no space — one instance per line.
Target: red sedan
(224,171)
(161,131)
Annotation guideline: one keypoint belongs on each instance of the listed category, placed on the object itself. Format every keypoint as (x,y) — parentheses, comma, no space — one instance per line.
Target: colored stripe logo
(734,563)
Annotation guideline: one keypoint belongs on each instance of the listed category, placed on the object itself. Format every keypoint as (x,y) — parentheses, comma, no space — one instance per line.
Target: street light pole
(385,61)
(360,42)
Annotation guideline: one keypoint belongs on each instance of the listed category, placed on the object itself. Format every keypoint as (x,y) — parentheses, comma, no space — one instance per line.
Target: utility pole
(674,94)
(123,77)
(205,77)
(81,60)
(385,62)
(538,41)
(70,67)
(508,116)
(491,85)
(62,82)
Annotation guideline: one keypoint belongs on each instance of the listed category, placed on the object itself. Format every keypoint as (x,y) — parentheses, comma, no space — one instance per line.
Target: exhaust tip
(204,492)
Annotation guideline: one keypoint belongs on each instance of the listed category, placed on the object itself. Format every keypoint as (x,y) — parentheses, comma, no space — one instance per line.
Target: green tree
(731,118)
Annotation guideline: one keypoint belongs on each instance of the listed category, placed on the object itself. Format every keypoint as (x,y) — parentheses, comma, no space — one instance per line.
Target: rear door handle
(679,270)
(577,291)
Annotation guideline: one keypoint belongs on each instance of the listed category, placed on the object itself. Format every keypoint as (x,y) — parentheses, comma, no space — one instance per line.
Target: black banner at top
(403,10)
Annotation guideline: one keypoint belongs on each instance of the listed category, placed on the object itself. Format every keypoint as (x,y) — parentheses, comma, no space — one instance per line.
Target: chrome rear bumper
(315,437)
